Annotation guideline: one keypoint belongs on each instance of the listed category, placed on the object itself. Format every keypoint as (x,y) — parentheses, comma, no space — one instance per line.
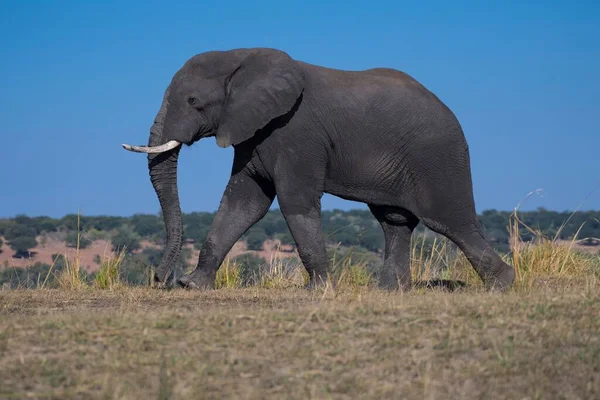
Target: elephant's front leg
(302,212)
(244,202)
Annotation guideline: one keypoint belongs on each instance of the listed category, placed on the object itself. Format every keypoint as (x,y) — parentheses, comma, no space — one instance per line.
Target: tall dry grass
(280,272)
(545,261)
(71,276)
(540,262)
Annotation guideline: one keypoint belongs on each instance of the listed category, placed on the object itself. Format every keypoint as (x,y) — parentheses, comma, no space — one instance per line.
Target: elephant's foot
(500,281)
(198,279)
(161,276)
(162,280)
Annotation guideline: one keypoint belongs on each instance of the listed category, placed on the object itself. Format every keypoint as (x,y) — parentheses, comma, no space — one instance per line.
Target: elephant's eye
(191,101)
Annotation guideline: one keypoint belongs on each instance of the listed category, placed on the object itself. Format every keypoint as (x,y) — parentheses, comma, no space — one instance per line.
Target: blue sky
(79,78)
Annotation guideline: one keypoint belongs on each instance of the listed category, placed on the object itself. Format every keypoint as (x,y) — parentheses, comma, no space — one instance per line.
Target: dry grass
(281,272)
(543,262)
(276,340)
(71,276)
(275,343)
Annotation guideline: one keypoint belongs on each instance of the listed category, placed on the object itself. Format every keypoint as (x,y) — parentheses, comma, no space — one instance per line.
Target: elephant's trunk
(163,174)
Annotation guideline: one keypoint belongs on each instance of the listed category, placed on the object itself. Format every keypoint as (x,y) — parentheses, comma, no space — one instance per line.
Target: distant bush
(21,236)
(4,225)
(30,277)
(133,271)
(72,237)
(349,228)
(125,238)
(249,266)
(95,234)
(101,223)
(45,224)
(22,245)
(197,233)
(255,238)
(147,225)
(372,240)
(285,238)
(16,231)
(196,226)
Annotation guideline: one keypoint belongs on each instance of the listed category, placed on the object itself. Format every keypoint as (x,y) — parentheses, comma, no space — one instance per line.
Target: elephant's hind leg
(398,226)
(444,202)
(466,234)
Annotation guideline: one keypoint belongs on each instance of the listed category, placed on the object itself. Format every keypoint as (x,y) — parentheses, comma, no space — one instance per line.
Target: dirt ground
(49,246)
(261,343)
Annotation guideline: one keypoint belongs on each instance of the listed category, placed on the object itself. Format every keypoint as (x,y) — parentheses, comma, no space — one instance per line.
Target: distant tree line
(348,228)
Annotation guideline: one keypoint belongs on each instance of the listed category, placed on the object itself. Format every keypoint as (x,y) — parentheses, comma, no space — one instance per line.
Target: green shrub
(255,239)
(147,226)
(125,238)
(228,276)
(249,266)
(29,277)
(16,231)
(22,245)
(75,239)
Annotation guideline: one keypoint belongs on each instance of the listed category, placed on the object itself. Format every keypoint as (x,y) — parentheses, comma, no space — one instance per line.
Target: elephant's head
(230,95)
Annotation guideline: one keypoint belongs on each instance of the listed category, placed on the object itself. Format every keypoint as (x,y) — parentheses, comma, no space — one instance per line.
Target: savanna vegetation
(356,229)
(348,228)
(110,334)
(261,336)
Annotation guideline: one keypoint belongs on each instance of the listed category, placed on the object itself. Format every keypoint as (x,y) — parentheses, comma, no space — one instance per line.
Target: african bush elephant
(299,130)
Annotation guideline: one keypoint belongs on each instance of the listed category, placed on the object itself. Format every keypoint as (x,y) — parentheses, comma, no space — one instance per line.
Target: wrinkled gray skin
(300,130)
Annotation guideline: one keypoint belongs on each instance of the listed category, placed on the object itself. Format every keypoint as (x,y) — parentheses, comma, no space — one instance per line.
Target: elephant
(300,130)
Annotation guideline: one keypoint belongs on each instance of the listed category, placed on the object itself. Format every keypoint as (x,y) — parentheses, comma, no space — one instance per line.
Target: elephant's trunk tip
(170,145)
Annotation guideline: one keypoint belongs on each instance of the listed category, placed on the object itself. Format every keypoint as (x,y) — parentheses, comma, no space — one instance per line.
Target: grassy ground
(274,340)
(275,343)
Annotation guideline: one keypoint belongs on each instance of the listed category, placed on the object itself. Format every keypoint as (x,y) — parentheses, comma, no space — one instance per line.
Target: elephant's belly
(367,195)
(365,181)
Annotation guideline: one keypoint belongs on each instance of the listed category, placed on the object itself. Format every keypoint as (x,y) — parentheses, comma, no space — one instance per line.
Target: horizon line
(157,214)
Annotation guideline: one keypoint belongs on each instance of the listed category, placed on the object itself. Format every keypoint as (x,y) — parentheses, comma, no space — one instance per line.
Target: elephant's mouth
(202,135)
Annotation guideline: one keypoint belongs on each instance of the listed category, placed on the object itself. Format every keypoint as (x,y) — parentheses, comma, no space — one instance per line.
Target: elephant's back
(391,75)
(377,101)
(383,86)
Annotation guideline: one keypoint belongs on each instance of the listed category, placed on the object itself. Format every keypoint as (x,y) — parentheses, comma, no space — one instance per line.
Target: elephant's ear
(266,85)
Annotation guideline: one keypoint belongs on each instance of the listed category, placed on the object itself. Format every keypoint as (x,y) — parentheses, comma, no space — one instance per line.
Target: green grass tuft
(228,276)
(108,276)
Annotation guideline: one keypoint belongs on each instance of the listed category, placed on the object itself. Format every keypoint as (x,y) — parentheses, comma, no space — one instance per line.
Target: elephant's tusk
(170,145)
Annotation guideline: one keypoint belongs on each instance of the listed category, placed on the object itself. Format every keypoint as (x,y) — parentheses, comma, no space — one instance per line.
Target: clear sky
(78,78)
